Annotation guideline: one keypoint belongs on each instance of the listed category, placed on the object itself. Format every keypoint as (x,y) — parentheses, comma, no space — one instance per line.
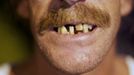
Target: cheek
(34,8)
(23,9)
(38,8)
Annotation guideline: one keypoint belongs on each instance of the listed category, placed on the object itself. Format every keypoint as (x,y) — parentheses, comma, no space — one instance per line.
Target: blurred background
(15,38)
(16,42)
(125,38)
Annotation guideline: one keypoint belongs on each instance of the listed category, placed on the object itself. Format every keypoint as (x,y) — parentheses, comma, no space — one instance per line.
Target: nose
(57,4)
(71,2)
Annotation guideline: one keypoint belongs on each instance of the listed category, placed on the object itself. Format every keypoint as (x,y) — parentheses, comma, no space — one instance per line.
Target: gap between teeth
(80,28)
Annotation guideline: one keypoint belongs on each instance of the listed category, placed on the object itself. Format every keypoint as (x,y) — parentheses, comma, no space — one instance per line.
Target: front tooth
(90,27)
(59,29)
(64,30)
(71,29)
(85,28)
(79,27)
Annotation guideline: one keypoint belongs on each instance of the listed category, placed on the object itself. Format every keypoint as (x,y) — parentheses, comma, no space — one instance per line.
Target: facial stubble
(79,12)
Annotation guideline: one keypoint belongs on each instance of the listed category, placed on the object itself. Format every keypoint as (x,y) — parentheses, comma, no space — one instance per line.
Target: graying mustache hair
(79,12)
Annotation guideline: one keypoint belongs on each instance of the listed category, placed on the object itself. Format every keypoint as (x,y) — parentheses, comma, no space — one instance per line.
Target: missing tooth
(74,29)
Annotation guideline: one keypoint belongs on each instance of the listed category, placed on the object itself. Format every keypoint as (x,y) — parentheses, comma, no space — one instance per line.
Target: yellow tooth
(64,30)
(59,29)
(71,29)
(90,27)
(85,28)
(79,27)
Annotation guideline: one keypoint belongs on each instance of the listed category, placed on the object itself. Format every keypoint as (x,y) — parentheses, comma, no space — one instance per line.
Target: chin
(73,60)
(75,54)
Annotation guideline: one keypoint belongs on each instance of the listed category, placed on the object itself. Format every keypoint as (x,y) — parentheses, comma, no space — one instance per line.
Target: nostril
(71,2)
(57,4)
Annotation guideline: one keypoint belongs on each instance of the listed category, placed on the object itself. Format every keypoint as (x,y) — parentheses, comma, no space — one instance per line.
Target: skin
(81,54)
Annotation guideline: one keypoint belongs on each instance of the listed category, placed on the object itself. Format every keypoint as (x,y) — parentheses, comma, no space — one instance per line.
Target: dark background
(16,42)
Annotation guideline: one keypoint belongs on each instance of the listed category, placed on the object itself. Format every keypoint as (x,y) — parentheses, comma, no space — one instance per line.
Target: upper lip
(74,22)
(77,14)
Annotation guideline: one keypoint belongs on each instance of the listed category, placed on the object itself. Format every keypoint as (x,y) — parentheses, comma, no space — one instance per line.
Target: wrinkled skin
(81,53)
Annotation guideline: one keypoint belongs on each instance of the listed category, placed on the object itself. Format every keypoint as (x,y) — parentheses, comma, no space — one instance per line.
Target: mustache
(79,13)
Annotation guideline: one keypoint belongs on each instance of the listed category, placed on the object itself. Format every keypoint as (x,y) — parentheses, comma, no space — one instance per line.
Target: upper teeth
(75,29)
(63,30)
(79,27)
(71,30)
(86,28)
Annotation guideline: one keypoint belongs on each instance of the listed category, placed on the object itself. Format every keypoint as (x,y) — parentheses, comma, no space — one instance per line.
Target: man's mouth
(75,29)
(79,18)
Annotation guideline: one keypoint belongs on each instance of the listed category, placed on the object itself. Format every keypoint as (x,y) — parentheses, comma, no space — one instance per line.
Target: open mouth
(73,29)
(79,18)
